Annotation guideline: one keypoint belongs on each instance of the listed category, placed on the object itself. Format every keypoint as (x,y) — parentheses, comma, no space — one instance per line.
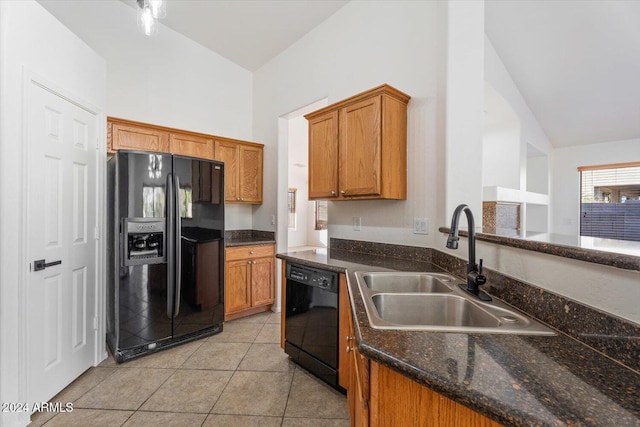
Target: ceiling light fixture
(148,12)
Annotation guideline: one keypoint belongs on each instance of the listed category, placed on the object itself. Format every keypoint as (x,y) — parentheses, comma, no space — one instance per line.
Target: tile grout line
(180,367)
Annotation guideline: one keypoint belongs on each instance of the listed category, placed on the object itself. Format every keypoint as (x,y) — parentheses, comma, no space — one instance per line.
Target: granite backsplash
(248,237)
(615,337)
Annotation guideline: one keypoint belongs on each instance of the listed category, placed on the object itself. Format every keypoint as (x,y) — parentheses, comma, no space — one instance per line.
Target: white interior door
(61,227)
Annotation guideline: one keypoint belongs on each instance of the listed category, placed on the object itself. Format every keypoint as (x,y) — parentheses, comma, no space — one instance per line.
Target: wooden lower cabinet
(249,280)
(378,396)
(358,393)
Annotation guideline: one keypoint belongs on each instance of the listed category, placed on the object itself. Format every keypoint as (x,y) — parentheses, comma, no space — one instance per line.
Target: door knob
(41,264)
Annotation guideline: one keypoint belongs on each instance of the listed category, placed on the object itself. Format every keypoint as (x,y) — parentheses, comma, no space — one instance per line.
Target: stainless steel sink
(433,302)
(407,282)
(437,310)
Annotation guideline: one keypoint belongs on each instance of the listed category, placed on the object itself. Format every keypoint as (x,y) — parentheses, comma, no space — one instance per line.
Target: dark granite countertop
(564,246)
(200,235)
(515,380)
(248,238)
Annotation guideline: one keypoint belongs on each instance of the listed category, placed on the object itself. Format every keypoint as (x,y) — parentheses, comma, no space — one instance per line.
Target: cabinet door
(237,286)
(228,153)
(358,391)
(250,174)
(138,138)
(262,281)
(191,145)
(360,166)
(323,156)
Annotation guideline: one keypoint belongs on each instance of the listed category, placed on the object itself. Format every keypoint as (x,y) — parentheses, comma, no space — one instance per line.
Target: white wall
(538,174)
(500,80)
(298,178)
(404,44)
(34,41)
(531,138)
(501,156)
(465,99)
(362,46)
(166,79)
(565,183)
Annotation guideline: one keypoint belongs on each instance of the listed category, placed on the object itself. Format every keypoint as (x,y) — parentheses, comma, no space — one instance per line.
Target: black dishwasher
(311,321)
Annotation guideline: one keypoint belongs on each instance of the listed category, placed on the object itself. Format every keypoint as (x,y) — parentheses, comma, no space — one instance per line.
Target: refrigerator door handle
(178,243)
(171,210)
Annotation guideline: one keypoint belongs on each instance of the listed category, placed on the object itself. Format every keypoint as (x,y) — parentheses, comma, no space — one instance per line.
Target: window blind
(610,201)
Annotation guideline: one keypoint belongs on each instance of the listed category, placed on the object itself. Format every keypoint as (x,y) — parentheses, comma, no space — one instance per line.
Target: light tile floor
(240,377)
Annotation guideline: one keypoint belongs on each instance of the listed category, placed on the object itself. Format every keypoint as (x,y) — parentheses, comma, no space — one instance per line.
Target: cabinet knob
(343,192)
(251,252)
(333,193)
(348,349)
(242,199)
(348,338)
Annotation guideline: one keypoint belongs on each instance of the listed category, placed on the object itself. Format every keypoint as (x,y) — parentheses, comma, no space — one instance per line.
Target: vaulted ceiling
(576,62)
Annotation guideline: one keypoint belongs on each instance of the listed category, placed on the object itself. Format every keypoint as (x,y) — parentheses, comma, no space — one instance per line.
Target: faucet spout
(475,278)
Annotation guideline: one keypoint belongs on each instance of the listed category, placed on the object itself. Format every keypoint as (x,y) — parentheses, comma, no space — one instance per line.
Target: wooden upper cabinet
(250,173)
(137,137)
(191,145)
(242,159)
(323,156)
(228,153)
(243,170)
(358,147)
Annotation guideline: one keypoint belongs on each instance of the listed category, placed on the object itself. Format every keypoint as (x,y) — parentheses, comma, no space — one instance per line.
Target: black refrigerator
(165,267)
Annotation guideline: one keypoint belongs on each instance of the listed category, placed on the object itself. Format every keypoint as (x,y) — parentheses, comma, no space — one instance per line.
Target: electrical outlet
(273,220)
(357,223)
(420,226)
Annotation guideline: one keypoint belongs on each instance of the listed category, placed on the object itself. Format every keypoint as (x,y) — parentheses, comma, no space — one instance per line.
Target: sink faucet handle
(480,278)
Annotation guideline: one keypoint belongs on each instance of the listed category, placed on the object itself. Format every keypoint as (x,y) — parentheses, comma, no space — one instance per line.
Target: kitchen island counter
(516,380)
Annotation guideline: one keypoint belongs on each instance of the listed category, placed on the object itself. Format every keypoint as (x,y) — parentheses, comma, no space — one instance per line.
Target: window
(291,207)
(321,215)
(610,201)
(186,198)
(152,201)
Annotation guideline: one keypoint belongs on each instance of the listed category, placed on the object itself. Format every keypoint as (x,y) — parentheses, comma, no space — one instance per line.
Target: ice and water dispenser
(144,241)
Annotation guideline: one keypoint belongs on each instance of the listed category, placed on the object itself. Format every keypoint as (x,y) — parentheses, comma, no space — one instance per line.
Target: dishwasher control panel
(313,277)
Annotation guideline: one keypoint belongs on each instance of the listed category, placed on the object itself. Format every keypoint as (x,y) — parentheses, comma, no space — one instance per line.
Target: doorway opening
(308,218)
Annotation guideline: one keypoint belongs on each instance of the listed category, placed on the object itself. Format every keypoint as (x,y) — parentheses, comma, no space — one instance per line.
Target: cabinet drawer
(247,252)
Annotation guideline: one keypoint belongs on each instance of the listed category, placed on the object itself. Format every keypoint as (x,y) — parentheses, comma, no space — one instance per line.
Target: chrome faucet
(475,278)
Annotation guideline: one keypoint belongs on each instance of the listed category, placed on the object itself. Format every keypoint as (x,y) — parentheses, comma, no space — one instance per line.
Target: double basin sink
(434,302)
